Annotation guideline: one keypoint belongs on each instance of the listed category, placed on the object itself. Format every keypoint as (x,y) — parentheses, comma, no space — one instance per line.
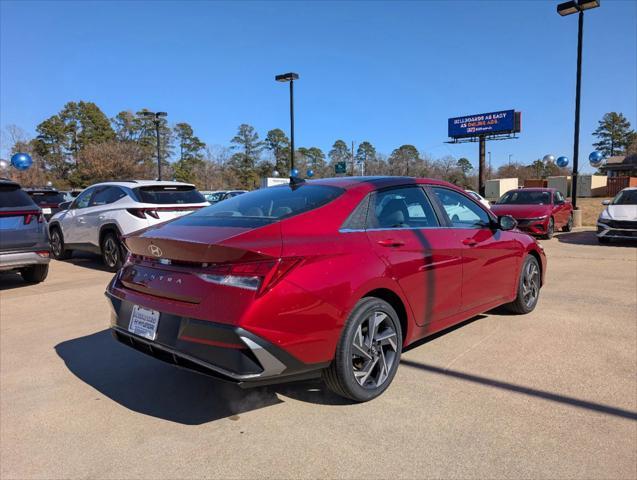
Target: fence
(616,184)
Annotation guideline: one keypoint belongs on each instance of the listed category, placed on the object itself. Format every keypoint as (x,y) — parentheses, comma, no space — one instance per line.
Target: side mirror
(606,202)
(64,205)
(507,222)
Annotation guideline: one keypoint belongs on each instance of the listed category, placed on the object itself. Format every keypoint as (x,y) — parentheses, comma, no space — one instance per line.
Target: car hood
(622,212)
(521,211)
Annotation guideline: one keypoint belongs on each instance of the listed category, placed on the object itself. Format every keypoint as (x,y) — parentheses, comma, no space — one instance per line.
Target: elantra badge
(154,250)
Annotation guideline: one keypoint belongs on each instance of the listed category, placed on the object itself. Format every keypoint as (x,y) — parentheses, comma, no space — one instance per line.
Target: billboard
(505,121)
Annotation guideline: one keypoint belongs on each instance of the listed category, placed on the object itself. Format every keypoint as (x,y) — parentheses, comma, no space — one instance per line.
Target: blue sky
(387,72)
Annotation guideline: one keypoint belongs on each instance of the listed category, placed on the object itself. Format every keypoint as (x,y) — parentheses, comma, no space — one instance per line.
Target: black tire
(569,225)
(603,240)
(361,374)
(57,245)
(35,273)
(523,303)
(550,229)
(112,252)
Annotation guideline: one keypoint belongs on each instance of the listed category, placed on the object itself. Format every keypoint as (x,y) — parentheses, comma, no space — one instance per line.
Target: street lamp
(290,77)
(564,9)
(510,155)
(157,121)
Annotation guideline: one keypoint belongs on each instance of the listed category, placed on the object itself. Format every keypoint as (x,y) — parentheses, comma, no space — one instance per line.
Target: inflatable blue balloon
(596,159)
(310,173)
(295,173)
(21,161)
(562,162)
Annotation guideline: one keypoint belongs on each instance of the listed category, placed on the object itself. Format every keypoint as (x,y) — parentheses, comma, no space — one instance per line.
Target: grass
(591,208)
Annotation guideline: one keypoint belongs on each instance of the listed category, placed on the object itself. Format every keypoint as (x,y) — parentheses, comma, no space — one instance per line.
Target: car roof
(6,181)
(379,182)
(535,189)
(40,190)
(143,183)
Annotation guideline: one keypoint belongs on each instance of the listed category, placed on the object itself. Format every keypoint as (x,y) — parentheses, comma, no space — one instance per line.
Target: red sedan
(330,277)
(538,211)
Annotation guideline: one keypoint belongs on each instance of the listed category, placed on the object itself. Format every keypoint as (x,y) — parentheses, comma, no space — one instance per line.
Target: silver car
(24,236)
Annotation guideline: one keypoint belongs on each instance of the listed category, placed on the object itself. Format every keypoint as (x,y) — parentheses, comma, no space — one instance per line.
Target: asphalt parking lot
(549,395)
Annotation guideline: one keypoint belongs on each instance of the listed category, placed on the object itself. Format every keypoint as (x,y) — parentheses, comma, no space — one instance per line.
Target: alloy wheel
(530,284)
(374,348)
(111,252)
(56,243)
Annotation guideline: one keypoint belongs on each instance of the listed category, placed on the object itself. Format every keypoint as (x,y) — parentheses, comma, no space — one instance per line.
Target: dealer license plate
(46,211)
(144,322)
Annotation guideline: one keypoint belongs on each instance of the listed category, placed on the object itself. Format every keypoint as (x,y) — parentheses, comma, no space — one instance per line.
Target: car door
(73,221)
(560,209)
(423,258)
(490,256)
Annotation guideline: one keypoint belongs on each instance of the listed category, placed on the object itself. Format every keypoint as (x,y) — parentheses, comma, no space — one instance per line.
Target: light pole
(510,155)
(157,121)
(290,77)
(564,9)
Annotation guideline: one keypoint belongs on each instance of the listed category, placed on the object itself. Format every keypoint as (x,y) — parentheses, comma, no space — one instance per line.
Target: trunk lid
(172,260)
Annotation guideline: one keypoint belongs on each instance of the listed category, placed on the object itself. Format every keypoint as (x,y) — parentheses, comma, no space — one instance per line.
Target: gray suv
(24,236)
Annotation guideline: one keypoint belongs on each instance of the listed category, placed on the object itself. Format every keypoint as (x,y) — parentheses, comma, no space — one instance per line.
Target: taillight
(256,276)
(142,212)
(31,216)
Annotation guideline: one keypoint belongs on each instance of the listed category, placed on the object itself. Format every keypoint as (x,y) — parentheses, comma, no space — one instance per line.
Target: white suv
(97,219)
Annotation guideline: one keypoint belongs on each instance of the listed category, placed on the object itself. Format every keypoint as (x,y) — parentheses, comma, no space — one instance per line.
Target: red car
(538,211)
(329,277)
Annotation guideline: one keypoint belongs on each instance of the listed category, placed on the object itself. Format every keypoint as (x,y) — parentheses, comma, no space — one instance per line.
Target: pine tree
(614,134)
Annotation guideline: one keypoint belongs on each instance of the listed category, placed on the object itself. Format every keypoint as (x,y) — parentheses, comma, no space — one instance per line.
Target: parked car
(619,218)
(329,277)
(48,199)
(219,195)
(479,198)
(538,211)
(96,220)
(24,238)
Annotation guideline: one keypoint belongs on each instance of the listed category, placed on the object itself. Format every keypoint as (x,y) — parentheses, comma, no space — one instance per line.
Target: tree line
(80,146)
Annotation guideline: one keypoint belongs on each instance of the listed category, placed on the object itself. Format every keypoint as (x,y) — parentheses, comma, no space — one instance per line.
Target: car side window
(83,198)
(462,212)
(559,199)
(107,195)
(405,207)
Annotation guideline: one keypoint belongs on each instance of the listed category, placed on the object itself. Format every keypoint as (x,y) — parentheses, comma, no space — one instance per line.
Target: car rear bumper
(625,230)
(13,260)
(223,351)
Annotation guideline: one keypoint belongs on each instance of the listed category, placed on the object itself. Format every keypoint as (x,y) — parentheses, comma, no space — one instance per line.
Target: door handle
(81,220)
(390,243)
(470,242)
(101,217)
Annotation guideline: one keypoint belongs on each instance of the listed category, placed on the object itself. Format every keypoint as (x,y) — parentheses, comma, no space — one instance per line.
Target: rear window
(43,198)
(14,196)
(261,207)
(167,194)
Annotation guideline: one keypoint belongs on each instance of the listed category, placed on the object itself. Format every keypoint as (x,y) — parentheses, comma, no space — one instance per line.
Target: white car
(96,220)
(479,198)
(619,218)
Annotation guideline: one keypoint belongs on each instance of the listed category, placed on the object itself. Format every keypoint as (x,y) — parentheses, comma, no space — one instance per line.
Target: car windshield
(169,194)
(525,197)
(11,195)
(47,198)
(626,197)
(264,206)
